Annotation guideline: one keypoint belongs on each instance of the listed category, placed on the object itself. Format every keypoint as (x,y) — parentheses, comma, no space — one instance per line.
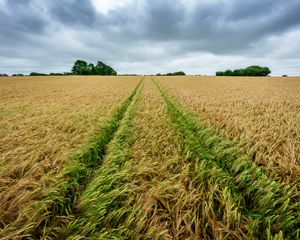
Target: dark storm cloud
(20,18)
(73,12)
(163,18)
(217,26)
(220,27)
(144,34)
(265,17)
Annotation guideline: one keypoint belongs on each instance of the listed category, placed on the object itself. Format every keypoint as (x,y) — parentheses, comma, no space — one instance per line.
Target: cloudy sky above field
(150,36)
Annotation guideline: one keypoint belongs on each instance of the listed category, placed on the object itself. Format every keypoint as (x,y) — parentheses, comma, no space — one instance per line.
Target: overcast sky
(150,36)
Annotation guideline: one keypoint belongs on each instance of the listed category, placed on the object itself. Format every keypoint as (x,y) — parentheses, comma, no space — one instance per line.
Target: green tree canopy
(83,68)
(37,74)
(249,71)
(180,73)
(79,67)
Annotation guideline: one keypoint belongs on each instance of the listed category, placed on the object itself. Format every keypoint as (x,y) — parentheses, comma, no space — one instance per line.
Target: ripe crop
(260,115)
(150,158)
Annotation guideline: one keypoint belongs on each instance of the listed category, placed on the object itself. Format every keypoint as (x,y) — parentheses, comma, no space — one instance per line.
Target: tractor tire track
(164,199)
(100,210)
(45,218)
(269,204)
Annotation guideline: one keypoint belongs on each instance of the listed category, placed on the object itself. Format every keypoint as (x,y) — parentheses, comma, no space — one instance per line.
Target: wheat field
(42,121)
(149,158)
(261,115)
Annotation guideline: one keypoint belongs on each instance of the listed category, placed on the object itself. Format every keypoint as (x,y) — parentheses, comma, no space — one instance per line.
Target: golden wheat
(167,172)
(262,115)
(42,120)
(168,198)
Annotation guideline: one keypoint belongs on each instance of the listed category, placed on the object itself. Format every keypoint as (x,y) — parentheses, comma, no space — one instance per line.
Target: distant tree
(37,74)
(79,67)
(68,73)
(101,68)
(237,72)
(180,73)
(257,71)
(85,71)
(249,71)
(105,69)
(83,68)
(91,68)
(267,71)
(3,75)
(56,74)
(228,73)
(17,75)
(284,75)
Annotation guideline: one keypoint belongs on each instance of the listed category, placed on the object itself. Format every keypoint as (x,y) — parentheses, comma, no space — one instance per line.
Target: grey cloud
(73,12)
(164,18)
(147,32)
(216,26)
(21,18)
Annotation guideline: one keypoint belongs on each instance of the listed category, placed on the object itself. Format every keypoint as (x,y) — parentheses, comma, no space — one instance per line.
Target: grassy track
(172,204)
(259,115)
(149,190)
(42,121)
(100,212)
(46,217)
(155,177)
(270,205)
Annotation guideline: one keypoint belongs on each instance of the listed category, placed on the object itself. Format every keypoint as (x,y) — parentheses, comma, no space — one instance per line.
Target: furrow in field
(100,212)
(174,203)
(46,216)
(270,206)
(43,120)
(156,193)
(260,115)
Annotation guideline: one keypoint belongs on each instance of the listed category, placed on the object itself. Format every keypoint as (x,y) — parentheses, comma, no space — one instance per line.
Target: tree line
(249,71)
(180,73)
(81,67)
